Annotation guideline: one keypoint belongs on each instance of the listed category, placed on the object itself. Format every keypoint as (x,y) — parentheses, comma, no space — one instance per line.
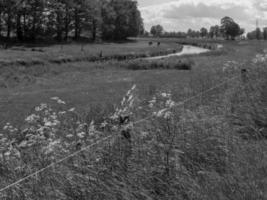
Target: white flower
(62,113)
(71,110)
(165,95)
(69,136)
(103,124)
(41,107)
(61,102)
(32,118)
(144,134)
(7,154)
(170,103)
(160,113)
(48,124)
(92,128)
(81,135)
(23,144)
(167,115)
(54,98)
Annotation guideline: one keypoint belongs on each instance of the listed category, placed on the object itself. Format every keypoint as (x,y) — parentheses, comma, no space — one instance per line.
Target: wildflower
(103,124)
(92,128)
(81,135)
(144,133)
(54,98)
(32,118)
(152,102)
(71,110)
(62,112)
(170,103)
(165,95)
(42,107)
(160,113)
(167,115)
(61,102)
(58,100)
(23,144)
(51,146)
(69,136)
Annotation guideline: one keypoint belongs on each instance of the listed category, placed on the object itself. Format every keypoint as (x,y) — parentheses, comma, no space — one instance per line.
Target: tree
(265,33)
(203,32)
(212,32)
(258,33)
(121,19)
(216,31)
(229,28)
(61,19)
(156,30)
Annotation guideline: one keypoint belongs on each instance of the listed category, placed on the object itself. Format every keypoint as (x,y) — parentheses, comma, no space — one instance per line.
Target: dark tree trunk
(77,24)
(19,28)
(8,26)
(94,30)
(67,22)
(0,24)
(33,31)
(59,27)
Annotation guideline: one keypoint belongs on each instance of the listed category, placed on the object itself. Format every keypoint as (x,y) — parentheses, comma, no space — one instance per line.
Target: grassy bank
(60,54)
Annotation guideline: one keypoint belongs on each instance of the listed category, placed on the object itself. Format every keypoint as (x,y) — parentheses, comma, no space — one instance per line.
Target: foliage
(156,30)
(61,19)
(230,28)
(203,32)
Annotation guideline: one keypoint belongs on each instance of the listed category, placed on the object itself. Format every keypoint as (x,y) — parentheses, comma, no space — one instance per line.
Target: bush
(181,64)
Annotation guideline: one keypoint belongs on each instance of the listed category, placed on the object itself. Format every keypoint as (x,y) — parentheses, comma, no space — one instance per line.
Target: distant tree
(258,33)
(241,31)
(229,28)
(212,32)
(156,30)
(216,31)
(203,32)
(265,33)
(251,35)
(190,32)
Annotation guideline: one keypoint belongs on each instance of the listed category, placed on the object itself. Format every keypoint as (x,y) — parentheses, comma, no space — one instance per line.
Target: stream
(187,50)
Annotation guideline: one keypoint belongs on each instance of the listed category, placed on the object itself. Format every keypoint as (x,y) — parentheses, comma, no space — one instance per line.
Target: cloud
(180,15)
(205,11)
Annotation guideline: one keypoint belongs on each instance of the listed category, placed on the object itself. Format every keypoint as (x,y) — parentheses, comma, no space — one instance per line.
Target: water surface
(187,50)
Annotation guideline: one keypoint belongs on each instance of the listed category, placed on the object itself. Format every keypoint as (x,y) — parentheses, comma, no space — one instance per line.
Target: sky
(180,15)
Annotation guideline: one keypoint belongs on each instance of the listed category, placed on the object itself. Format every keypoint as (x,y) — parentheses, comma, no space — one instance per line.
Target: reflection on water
(187,50)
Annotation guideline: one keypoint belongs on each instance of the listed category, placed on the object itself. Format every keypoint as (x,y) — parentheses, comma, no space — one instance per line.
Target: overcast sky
(180,15)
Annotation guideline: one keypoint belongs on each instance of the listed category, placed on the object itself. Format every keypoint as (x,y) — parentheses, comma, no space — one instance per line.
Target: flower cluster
(231,65)
(126,108)
(161,105)
(260,58)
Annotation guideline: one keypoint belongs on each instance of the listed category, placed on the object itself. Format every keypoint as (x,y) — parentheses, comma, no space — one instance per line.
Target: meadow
(55,101)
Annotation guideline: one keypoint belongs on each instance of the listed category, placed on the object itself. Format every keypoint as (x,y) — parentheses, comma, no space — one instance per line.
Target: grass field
(174,162)
(84,84)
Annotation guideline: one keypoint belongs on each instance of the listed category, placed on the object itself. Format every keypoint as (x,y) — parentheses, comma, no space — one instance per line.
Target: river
(187,50)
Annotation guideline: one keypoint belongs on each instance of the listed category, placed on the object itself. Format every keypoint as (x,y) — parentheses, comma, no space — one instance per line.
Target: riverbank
(62,54)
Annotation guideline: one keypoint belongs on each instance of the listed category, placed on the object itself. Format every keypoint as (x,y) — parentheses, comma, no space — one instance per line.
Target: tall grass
(212,147)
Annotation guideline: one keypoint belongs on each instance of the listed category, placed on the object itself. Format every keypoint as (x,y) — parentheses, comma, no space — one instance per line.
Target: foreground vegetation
(212,146)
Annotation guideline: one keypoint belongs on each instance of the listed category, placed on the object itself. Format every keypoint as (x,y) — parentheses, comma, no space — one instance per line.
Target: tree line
(30,20)
(257,34)
(228,29)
